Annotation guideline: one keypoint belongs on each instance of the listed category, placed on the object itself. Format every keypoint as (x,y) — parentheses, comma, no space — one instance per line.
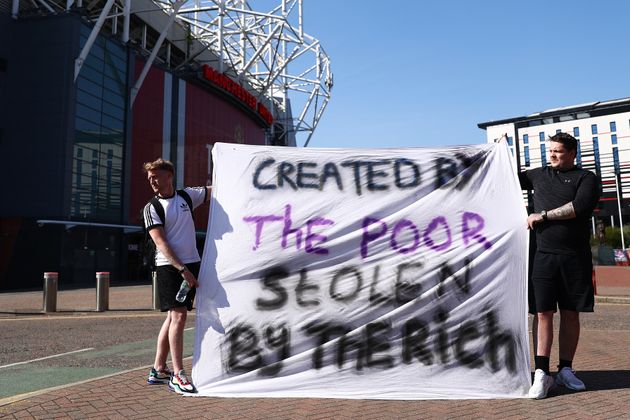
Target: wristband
(543,214)
(184,268)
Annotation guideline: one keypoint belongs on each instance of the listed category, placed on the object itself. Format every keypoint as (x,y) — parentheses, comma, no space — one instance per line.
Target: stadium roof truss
(268,53)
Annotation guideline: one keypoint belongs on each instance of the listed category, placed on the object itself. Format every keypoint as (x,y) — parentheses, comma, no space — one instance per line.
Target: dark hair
(567,140)
(159,164)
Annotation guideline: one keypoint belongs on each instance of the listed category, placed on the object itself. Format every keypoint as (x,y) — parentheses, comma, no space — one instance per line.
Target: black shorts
(168,283)
(561,281)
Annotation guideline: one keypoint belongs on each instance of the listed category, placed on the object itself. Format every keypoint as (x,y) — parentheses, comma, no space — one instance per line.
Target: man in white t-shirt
(168,219)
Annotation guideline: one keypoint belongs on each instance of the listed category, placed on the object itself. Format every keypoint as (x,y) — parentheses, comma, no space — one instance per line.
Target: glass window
(92,88)
(83,126)
(576,131)
(116,86)
(613,139)
(112,124)
(596,155)
(91,74)
(114,98)
(113,111)
(526,150)
(594,129)
(99,133)
(613,126)
(579,154)
(541,136)
(89,100)
(510,141)
(543,155)
(94,62)
(525,138)
(88,113)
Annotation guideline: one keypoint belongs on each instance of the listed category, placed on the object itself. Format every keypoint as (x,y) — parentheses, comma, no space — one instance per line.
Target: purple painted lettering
(435,223)
(401,225)
(311,237)
(260,221)
(368,237)
(472,225)
(289,231)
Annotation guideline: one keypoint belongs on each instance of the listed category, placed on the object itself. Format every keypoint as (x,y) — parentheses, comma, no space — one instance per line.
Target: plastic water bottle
(183,291)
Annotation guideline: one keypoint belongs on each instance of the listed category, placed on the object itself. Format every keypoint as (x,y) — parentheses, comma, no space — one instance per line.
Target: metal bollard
(156,297)
(102,291)
(50,291)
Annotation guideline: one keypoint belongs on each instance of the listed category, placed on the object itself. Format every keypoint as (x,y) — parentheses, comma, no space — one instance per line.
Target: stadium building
(89,90)
(603,133)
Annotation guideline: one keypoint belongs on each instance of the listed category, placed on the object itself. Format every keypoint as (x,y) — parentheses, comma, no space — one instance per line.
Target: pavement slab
(602,362)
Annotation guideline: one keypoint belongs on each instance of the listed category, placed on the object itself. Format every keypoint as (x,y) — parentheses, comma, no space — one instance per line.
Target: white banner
(363,273)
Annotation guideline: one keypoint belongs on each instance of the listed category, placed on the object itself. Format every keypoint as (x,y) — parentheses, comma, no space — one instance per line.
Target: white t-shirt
(179,225)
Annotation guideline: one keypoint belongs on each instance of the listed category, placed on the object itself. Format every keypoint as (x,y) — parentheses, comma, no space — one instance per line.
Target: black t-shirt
(554,188)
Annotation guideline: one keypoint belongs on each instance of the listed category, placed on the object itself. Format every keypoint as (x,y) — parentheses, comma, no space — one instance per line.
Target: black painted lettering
(470,166)
(372,174)
(400,173)
(446,169)
(442,342)
(346,344)
(284,170)
(462,282)
(262,165)
(414,342)
(346,272)
(406,289)
(356,170)
(279,338)
(376,297)
(330,170)
(270,281)
(244,352)
(376,341)
(467,332)
(326,332)
(496,341)
(302,176)
(303,287)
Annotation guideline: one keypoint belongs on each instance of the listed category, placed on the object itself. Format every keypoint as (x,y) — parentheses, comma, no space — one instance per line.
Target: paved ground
(118,346)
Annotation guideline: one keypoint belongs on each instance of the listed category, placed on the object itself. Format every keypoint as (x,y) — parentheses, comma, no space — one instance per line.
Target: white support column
(15,9)
(260,50)
(126,21)
(623,243)
(300,20)
(134,90)
(115,20)
(46,6)
(78,63)
(220,34)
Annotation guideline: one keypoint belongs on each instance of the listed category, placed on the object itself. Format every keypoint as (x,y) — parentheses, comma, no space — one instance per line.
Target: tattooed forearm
(562,213)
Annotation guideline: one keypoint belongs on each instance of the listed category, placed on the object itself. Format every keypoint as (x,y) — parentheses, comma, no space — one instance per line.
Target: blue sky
(423,73)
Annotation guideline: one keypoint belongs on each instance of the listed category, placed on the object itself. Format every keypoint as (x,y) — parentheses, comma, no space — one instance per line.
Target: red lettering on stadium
(229,85)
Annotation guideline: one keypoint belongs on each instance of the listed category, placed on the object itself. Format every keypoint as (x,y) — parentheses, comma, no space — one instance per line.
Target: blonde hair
(159,163)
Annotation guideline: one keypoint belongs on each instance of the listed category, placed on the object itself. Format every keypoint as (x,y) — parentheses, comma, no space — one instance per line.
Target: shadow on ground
(597,380)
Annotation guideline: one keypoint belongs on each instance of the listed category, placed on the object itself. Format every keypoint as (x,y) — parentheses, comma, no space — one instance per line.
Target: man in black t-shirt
(564,199)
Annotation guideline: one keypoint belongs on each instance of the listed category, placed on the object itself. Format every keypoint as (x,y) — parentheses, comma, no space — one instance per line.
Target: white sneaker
(542,384)
(566,377)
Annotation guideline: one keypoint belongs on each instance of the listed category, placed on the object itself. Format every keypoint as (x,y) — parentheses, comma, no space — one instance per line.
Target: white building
(603,133)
